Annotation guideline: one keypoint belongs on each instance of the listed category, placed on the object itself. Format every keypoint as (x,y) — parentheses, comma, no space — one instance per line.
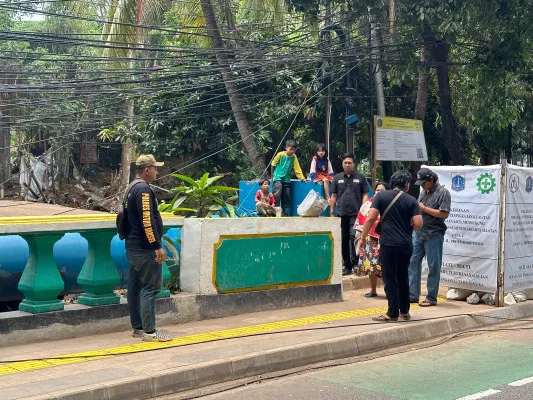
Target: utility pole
(378,78)
(350,129)
(509,147)
(327,22)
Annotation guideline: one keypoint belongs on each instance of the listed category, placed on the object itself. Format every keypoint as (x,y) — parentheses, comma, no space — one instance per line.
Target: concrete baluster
(41,281)
(166,277)
(99,276)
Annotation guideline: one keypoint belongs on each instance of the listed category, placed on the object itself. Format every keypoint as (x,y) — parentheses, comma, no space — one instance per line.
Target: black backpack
(123,225)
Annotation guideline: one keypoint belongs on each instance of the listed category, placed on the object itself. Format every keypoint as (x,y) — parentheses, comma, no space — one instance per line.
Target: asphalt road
(495,365)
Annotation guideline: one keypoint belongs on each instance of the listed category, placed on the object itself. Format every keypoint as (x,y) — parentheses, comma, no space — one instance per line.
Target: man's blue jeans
(144,284)
(432,250)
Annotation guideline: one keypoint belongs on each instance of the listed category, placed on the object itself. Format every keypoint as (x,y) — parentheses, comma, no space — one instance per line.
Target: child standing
(282,165)
(321,169)
(264,201)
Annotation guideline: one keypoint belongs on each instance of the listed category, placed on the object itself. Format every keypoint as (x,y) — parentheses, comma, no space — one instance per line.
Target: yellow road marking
(21,366)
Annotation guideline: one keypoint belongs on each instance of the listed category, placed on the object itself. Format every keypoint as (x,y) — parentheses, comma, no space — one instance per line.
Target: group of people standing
(393,230)
(409,230)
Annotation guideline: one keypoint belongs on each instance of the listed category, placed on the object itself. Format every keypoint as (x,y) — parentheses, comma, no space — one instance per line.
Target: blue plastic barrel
(173,249)
(247,190)
(70,253)
(118,254)
(14,254)
(299,190)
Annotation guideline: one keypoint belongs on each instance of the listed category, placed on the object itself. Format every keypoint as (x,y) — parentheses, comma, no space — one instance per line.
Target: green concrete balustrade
(41,282)
(99,276)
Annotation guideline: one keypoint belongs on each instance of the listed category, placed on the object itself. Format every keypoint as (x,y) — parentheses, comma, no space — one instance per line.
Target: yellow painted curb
(21,366)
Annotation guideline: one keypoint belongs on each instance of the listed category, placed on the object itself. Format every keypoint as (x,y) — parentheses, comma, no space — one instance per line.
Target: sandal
(384,318)
(405,317)
(371,294)
(426,303)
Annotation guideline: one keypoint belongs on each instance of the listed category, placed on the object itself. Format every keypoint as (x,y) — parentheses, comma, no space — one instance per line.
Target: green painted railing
(41,282)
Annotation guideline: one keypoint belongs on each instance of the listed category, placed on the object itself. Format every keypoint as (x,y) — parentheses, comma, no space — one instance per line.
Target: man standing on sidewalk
(400,214)
(349,191)
(434,203)
(144,251)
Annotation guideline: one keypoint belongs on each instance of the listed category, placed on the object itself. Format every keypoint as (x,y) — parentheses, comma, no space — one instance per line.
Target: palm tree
(245,132)
(128,17)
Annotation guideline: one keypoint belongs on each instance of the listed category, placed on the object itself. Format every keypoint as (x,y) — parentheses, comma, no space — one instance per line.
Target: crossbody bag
(377,228)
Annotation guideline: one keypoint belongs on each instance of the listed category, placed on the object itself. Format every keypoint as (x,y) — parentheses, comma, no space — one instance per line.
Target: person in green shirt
(283,163)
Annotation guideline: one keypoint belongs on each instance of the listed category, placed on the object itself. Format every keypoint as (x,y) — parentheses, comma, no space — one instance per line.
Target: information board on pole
(399,139)
(471,243)
(518,253)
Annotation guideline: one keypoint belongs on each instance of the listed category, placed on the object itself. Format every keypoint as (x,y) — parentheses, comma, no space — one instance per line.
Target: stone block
(169,382)
(285,358)
(250,365)
(344,347)
(136,388)
(314,353)
(369,342)
(213,372)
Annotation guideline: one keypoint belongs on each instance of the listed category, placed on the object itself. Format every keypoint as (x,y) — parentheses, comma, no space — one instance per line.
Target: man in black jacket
(144,251)
(349,191)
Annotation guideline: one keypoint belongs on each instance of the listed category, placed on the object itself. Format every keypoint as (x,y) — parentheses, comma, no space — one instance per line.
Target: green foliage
(201,198)
(173,264)
(185,115)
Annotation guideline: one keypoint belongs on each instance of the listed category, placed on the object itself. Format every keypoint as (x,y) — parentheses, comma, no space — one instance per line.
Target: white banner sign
(518,253)
(399,139)
(470,252)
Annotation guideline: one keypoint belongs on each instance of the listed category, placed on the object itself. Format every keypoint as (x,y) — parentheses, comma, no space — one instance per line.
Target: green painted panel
(261,262)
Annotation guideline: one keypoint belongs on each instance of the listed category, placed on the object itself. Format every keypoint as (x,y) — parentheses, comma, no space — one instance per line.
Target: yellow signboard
(399,139)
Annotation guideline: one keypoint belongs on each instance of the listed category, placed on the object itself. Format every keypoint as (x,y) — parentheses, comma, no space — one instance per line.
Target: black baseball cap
(423,175)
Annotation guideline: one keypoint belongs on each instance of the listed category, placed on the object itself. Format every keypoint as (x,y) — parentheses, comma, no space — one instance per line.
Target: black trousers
(394,263)
(282,194)
(347,241)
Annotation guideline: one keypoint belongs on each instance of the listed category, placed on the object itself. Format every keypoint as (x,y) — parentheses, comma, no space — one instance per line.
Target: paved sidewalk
(15,208)
(123,367)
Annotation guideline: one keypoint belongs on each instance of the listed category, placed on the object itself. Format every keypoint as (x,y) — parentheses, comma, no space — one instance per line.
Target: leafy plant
(173,264)
(201,198)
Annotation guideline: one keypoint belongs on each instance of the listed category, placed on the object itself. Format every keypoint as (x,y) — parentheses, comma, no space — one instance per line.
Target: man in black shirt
(396,246)
(144,251)
(349,191)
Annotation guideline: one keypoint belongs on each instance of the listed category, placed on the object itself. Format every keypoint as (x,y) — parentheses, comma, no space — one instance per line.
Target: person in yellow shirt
(282,165)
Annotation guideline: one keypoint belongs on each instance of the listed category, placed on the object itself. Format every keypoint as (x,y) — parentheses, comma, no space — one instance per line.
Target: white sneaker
(157,336)
(138,333)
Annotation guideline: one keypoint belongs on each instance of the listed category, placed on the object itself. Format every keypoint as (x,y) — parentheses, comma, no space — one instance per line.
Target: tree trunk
(440,50)
(127,150)
(420,107)
(392,19)
(423,85)
(236,104)
(5,143)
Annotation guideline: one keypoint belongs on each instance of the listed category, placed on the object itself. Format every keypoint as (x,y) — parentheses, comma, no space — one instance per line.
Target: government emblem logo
(458,182)
(529,184)
(513,183)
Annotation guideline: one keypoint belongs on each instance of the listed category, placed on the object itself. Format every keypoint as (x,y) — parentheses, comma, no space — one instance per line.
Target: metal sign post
(498,301)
